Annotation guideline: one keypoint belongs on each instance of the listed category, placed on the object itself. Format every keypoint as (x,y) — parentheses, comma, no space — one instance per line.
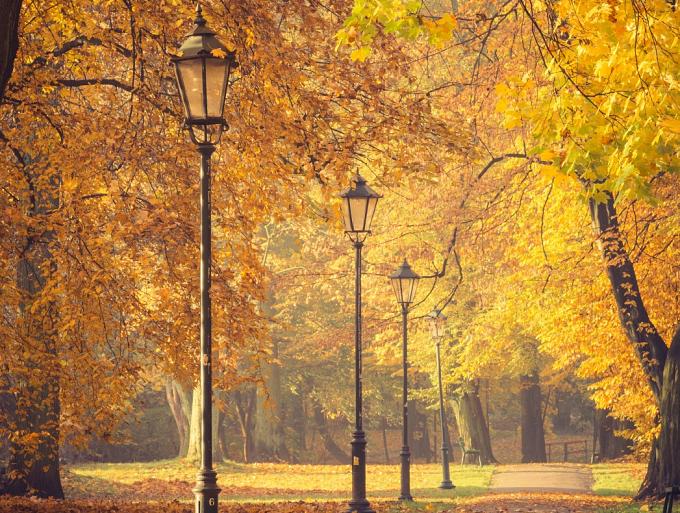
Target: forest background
(527,154)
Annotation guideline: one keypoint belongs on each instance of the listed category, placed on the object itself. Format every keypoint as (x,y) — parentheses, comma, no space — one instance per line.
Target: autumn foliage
(527,152)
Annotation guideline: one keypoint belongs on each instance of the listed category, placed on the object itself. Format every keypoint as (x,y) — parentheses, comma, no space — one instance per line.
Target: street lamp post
(437,322)
(405,282)
(358,206)
(202,70)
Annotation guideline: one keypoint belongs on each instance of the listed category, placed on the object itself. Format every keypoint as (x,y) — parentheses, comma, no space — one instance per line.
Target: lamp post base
(206,491)
(446,483)
(362,506)
(359,503)
(405,474)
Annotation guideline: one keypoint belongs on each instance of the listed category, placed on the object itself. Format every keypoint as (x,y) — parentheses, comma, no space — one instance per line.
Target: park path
(542,477)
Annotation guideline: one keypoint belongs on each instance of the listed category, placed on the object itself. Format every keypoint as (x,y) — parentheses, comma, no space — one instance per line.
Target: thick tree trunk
(472,425)
(610,445)
(669,439)
(9,40)
(35,466)
(195,438)
(649,346)
(32,391)
(180,406)
(194,444)
(531,413)
(640,331)
(328,442)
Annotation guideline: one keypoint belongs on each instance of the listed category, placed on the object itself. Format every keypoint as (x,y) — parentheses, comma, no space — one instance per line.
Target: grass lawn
(265,482)
(617,478)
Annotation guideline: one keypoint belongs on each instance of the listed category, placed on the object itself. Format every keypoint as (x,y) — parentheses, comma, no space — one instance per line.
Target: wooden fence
(575,450)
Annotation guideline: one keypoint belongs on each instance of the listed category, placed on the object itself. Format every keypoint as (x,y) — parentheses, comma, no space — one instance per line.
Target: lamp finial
(200,20)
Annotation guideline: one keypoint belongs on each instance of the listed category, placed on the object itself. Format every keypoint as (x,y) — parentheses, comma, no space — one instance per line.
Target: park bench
(466,453)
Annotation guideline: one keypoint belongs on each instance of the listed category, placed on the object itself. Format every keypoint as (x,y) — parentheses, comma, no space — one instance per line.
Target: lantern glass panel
(437,325)
(216,80)
(396,285)
(358,209)
(405,289)
(372,203)
(346,217)
(190,74)
(411,287)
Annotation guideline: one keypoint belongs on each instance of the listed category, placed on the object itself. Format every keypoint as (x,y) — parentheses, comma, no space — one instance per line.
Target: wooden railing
(566,449)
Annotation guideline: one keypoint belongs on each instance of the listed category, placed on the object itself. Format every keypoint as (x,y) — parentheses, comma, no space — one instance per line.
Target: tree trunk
(669,438)
(244,402)
(649,346)
(472,426)
(561,421)
(610,445)
(297,423)
(533,437)
(9,40)
(419,438)
(35,466)
(384,440)
(32,391)
(194,443)
(328,442)
(195,436)
(270,439)
(180,406)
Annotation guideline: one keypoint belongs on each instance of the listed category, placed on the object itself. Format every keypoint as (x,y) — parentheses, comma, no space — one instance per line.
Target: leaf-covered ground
(264,482)
(515,503)
(279,488)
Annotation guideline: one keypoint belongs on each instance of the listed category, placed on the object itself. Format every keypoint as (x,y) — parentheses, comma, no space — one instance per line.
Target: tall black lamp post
(358,206)
(405,282)
(437,322)
(202,69)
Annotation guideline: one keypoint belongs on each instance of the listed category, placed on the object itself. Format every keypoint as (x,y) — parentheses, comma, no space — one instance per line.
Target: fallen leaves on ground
(539,503)
(507,503)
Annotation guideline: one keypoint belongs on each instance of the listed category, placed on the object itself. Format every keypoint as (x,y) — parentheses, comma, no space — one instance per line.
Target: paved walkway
(542,477)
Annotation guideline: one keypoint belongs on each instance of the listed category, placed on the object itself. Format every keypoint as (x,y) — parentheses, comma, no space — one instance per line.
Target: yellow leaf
(672,124)
(360,54)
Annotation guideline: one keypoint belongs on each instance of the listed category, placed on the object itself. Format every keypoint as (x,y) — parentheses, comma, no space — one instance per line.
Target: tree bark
(297,423)
(669,438)
(180,406)
(244,402)
(533,436)
(610,445)
(419,437)
(639,329)
(194,445)
(33,398)
(472,425)
(561,421)
(9,40)
(649,346)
